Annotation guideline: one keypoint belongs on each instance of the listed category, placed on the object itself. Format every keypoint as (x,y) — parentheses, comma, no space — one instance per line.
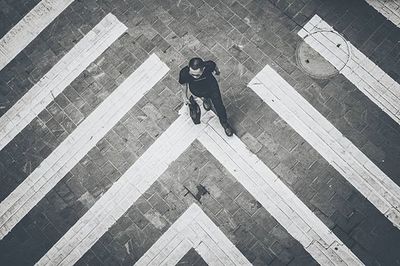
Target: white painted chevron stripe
(294,216)
(29,28)
(388,8)
(277,198)
(343,155)
(92,45)
(194,229)
(379,87)
(124,192)
(79,143)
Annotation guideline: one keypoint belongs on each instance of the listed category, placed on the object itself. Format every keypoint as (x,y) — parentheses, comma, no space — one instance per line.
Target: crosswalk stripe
(124,192)
(283,204)
(277,198)
(79,143)
(27,29)
(92,45)
(343,155)
(379,87)
(389,9)
(193,229)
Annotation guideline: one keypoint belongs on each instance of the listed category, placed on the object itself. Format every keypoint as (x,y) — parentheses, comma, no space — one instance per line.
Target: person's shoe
(228,129)
(207,104)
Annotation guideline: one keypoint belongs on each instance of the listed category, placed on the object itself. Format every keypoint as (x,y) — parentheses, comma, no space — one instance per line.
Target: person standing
(199,75)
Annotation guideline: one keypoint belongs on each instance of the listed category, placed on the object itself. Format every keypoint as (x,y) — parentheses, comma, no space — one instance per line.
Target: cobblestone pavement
(92,177)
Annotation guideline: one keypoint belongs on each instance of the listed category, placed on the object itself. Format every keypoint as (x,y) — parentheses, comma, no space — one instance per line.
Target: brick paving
(389,9)
(196,177)
(242,37)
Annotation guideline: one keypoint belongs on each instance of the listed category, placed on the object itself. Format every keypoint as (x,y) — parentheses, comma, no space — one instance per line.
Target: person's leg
(206,103)
(221,112)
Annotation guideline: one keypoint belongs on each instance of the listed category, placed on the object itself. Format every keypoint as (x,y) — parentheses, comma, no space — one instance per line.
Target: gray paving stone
(252,143)
(264,32)
(223,10)
(240,237)
(158,203)
(238,23)
(239,10)
(192,258)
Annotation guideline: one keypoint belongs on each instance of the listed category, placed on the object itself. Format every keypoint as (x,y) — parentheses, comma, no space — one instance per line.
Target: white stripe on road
(59,77)
(79,143)
(29,28)
(379,87)
(302,223)
(388,8)
(194,229)
(277,198)
(124,192)
(343,155)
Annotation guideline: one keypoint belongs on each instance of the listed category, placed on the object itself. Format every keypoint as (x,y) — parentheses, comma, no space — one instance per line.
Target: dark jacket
(204,86)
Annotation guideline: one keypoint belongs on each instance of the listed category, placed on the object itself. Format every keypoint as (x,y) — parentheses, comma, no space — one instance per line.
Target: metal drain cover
(313,63)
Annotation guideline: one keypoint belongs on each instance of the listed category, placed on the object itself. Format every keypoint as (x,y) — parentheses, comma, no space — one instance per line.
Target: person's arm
(184,75)
(213,67)
(216,70)
(185,93)
(184,81)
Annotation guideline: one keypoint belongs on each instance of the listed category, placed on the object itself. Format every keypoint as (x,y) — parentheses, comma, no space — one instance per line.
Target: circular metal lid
(313,63)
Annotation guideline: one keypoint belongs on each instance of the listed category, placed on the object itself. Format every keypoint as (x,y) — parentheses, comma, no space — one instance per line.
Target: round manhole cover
(313,63)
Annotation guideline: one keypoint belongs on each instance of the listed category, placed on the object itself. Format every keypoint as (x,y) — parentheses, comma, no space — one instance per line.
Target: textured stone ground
(242,37)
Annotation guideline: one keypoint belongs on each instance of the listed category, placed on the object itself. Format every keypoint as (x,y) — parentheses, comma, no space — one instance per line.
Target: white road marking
(79,143)
(194,229)
(317,239)
(277,198)
(343,155)
(379,87)
(92,45)
(29,28)
(388,8)
(124,192)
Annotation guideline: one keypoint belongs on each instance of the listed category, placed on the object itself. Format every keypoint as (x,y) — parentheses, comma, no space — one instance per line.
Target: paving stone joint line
(329,142)
(81,140)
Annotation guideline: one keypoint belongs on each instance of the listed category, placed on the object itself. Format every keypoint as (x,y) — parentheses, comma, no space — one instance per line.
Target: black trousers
(214,94)
(216,100)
